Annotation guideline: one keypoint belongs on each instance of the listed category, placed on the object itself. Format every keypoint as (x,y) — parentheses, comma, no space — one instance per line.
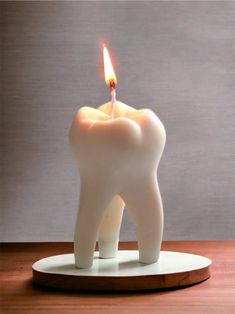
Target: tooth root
(143,201)
(110,228)
(94,199)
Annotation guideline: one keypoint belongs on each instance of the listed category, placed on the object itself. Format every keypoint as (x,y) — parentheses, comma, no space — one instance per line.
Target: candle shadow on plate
(109,266)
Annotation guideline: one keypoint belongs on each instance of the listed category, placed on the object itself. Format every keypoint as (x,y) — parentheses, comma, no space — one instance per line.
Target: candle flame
(109,74)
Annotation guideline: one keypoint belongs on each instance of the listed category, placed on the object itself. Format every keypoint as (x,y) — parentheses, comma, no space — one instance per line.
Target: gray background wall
(176,58)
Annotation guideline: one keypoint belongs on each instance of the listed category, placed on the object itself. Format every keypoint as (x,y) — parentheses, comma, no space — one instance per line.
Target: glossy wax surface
(117,160)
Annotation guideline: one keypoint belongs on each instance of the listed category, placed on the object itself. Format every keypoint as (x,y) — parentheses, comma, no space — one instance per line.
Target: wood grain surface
(20,295)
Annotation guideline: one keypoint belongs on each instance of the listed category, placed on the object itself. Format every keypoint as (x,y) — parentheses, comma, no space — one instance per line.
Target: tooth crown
(117,160)
(136,132)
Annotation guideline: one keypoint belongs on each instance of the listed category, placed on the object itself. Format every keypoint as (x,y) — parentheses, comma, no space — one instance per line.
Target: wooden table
(20,295)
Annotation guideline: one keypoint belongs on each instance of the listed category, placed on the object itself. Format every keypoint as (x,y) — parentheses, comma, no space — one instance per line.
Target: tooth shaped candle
(118,150)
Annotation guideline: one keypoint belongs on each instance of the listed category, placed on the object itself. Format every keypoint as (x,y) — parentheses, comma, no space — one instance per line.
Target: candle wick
(113,100)
(113,97)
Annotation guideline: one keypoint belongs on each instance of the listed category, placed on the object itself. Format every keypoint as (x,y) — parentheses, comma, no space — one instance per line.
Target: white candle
(118,150)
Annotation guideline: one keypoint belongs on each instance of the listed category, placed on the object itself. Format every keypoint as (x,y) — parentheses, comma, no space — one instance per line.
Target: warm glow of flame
(109,73)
